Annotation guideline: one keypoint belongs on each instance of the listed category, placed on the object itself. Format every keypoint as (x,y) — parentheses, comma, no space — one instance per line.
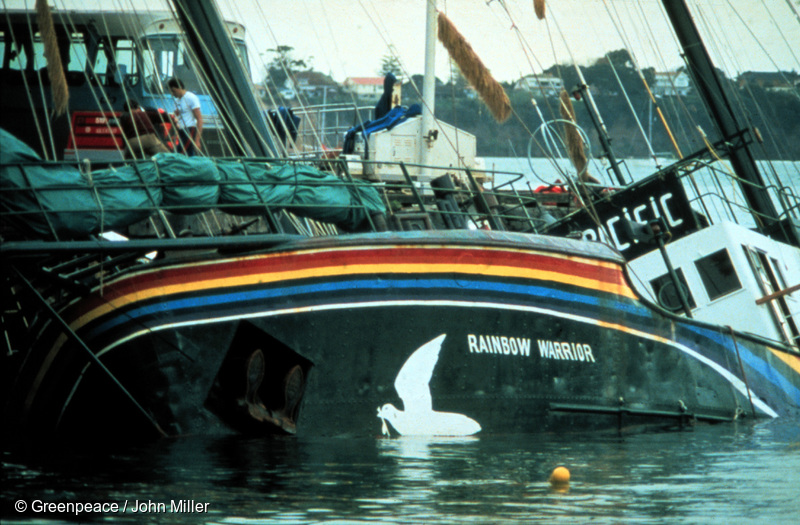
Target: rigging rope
(92,356)
(529,55)
(616,21)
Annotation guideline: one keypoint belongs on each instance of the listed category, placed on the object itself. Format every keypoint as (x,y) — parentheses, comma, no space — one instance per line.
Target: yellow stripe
(792,360)
(356,269)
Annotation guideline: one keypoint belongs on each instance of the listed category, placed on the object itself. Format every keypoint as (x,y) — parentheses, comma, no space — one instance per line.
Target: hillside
(768,102)
(776,115)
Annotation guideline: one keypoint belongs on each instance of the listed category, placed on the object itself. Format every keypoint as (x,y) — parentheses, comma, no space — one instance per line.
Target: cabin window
(718,274)
(15,55)
(778,275)
(666,294)
(125,55)
(184,70)
(5,49)
(151,77)
(77,54)
(39,61)
(101,62)
(23,54)
(20,53)
(159,56)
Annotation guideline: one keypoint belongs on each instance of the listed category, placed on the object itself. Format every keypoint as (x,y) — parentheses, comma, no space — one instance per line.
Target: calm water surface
(727,473)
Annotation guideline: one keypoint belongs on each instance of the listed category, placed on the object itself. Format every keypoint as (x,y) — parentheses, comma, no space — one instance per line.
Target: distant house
(546,84)
(770,81)
(309,84)
(672,83)
(364,87)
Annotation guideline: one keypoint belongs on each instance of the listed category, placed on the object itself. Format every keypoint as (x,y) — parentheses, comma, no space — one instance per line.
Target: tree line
(629,113)
(625,106)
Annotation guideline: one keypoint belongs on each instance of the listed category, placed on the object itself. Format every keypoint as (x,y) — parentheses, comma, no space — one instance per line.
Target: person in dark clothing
(385,103)
(284,120)
(141,139)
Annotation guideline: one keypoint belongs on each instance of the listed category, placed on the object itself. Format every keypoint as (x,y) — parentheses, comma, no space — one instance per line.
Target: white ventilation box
(452,148)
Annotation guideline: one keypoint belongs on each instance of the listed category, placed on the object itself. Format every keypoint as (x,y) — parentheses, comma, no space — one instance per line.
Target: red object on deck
(92,130)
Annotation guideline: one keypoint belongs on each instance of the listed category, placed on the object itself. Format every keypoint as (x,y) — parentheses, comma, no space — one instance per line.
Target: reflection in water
(420,465)
(702,475)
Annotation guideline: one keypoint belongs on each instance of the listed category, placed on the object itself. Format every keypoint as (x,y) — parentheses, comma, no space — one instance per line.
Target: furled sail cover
(43,195)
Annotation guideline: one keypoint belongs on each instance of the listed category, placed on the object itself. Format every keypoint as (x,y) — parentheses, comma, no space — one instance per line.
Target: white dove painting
(413,386)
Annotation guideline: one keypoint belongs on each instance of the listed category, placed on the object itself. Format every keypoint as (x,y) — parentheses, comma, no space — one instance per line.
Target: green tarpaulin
(49,196)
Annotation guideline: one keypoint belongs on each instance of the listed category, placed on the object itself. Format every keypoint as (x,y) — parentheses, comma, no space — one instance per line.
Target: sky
(349,38)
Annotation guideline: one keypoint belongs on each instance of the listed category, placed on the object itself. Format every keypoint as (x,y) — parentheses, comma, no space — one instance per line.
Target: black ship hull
(521,334)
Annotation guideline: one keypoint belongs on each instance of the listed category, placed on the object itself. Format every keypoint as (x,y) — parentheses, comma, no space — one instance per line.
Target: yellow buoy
(559,477)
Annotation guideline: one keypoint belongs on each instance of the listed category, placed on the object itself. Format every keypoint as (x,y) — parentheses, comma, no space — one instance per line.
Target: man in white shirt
(188,116)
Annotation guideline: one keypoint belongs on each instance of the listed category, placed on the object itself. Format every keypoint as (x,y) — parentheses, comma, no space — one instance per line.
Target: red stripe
(347,257)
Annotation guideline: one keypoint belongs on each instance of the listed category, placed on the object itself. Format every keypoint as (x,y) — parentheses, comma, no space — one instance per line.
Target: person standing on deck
(189,117)
(141,138)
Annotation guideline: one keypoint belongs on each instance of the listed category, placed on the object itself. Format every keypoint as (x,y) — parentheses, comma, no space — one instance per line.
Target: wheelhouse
(729,272)
(108,58)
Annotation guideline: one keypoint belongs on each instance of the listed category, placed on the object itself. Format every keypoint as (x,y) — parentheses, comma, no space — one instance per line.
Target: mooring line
(94,358)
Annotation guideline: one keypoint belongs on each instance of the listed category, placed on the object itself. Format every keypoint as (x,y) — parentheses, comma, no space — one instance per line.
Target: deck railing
(450,199)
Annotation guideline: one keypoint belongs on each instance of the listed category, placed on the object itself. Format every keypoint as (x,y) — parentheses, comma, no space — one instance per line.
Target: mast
(239,109)
(600,126)
(429,82)
(741,158)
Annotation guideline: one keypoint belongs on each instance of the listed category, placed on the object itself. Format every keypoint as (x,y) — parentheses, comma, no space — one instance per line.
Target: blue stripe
(753,361)
(364,284)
